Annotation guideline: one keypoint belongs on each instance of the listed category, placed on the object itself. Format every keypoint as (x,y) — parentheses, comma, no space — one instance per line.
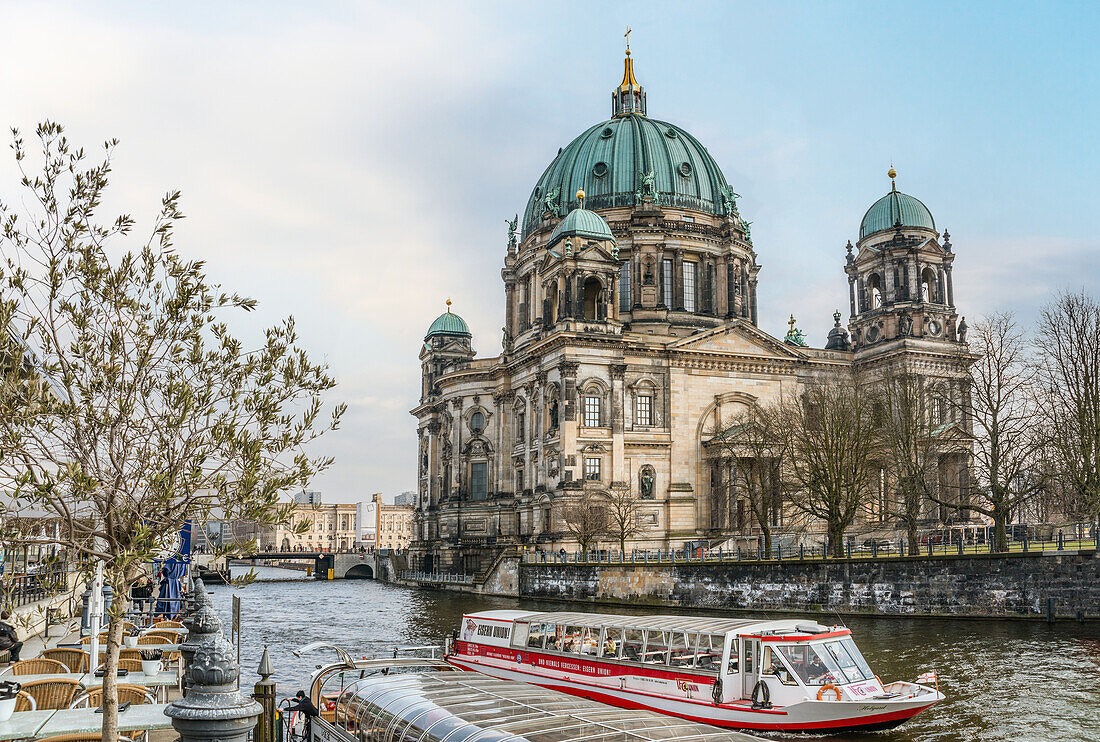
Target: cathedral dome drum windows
(477,421)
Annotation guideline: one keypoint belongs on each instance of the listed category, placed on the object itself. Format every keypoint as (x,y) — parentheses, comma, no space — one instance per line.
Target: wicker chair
(127,692)
(88,639)
(168,625)
(166,637)
(142,640)
(53,693)
(39,666)
(129,653)
(25,702)
(130,664)
(74,659)
(80,738)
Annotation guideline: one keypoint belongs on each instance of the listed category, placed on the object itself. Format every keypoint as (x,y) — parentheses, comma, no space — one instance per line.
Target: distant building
(329,528)
(394,525)
(308,497)
(405,499)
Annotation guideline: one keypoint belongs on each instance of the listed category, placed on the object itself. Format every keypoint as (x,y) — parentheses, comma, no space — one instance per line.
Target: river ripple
(1005,681)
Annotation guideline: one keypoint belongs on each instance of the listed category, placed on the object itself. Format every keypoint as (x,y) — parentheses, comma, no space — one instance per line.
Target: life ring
(877,680)
(828,686)
(761,696)
(716,692)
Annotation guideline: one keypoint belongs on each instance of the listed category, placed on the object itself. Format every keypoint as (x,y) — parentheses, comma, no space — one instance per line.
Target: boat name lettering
(572,666)
(497,632)
(684,685)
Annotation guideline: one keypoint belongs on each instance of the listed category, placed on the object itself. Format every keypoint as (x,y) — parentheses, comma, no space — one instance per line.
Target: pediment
(595,251)
(738,338)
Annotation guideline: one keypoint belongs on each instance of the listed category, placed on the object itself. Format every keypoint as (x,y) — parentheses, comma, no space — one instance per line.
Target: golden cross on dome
(790,323)
(627,35)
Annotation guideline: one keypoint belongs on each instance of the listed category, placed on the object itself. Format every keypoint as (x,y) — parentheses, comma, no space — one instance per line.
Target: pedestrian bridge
(327,565)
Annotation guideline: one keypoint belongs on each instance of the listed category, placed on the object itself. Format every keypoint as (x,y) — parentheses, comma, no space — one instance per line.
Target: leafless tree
(832,440)
(1067,341)
(622,515)
(915,440)
(1000,406)
(751,449)
(588,519)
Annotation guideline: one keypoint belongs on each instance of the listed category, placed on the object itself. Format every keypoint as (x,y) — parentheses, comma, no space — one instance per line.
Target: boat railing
(436,577)
(877,549)
(432,649)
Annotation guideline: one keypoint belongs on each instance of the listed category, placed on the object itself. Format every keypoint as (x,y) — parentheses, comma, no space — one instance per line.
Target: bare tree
(752,450)
(1000,406)
(1067,340)
(832,440)
(149,412)
(915,440)
(588,519)
(622,515)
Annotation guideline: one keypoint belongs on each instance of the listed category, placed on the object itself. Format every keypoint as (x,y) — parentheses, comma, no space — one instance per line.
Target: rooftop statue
(729,200)
(551,200)
(512,225)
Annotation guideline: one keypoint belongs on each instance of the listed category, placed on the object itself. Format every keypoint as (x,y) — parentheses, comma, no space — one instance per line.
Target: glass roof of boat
(466,706)
(705,624)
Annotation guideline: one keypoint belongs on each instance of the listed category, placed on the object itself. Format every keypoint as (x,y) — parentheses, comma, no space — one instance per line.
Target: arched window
(929,286)
(593,298)
(876,291)
(477,421)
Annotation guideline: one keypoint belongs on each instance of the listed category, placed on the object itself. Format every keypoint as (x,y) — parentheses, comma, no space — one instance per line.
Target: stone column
(618,448)
(678,280)
(852,293)
(950,288)
(920,283)
(752,293)
(722,304)
(660,276)
(510,308)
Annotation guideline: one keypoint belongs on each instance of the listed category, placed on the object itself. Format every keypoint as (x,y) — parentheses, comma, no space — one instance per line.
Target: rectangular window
(689,286)
(519,478)
(643,410)
(687,218)
(479,480)
(624,287)
(592,468)
(666,283)
(592,412)
(521,425)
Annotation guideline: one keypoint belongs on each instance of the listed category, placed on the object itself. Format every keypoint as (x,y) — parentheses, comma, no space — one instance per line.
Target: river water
(1004,680)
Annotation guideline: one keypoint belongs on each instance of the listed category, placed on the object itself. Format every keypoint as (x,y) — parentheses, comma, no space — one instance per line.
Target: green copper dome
(448,323)
(610,162)
(582,223)
(895,206)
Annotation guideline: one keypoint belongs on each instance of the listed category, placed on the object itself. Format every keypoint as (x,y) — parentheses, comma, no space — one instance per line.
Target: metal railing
(439,577)
(22,589)
(877,550)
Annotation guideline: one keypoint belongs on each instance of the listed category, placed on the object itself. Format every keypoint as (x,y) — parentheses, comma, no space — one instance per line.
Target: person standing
(9,638)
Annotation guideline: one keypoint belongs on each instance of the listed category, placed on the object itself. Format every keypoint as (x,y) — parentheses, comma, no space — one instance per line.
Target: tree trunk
(110,672)
(836,540)
(914,539)
(767,531)
(1000,533)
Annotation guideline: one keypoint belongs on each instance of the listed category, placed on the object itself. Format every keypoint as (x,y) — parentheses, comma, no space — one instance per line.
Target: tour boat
(788,675)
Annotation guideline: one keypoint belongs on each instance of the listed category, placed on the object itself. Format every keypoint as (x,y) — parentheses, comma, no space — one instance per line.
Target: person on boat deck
(817,670)
(609,647)
(9,639)
(308,710)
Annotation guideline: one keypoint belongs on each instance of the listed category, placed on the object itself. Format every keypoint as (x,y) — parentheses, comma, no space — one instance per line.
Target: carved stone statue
(646,479)
(505,340)
(962,330)
(553,412)
(512,225)
(905,325)
(647,278)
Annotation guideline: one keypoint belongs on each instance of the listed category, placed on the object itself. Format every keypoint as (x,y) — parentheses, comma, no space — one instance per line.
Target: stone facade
(629,339)
(330,528)
(394,528)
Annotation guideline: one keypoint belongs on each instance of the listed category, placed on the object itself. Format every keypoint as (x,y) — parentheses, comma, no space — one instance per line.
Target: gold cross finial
(790,323)
(627,35)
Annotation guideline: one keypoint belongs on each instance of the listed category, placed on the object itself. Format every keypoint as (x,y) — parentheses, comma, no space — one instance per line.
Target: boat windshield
(837,661)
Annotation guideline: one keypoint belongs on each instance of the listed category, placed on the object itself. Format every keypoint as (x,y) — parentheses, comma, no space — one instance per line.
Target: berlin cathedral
(631,333)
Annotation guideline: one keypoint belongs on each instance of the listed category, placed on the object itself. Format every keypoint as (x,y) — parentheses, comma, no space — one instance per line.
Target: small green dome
(895,206)
(450,324)
(582,223)
(609,160)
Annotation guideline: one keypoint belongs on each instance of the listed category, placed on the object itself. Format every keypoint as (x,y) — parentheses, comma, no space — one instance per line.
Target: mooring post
(264,693)
(1050,610)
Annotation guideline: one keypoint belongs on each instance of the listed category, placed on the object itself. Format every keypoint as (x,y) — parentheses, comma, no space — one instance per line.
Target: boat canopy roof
(461,706)
(701,624)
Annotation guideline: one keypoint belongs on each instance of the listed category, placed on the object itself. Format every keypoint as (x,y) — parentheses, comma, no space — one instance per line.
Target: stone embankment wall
(998,586)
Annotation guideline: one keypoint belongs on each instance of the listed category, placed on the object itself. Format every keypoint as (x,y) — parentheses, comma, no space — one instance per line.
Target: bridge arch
(360,572)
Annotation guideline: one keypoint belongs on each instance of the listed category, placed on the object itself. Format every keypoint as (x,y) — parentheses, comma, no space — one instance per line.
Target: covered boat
(429,701)
(741,673)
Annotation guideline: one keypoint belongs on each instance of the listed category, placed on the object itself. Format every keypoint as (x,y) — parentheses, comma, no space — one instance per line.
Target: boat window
(682,649)
(773,665)
(856,655)
(519,633)
(633,643)
(710,652)
(735,652)
(538,633)
(813,663)
(612,643)
(590,641)
(568,639)
(847,664)
(656,648)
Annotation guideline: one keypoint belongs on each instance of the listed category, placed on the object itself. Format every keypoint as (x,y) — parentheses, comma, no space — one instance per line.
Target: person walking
(9,638)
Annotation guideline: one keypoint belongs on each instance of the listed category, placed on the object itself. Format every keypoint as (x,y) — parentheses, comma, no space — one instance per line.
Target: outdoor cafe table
(160,681)
(87,721)
(24,724)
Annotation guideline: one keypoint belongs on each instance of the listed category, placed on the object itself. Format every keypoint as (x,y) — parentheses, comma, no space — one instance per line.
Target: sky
(353,164)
